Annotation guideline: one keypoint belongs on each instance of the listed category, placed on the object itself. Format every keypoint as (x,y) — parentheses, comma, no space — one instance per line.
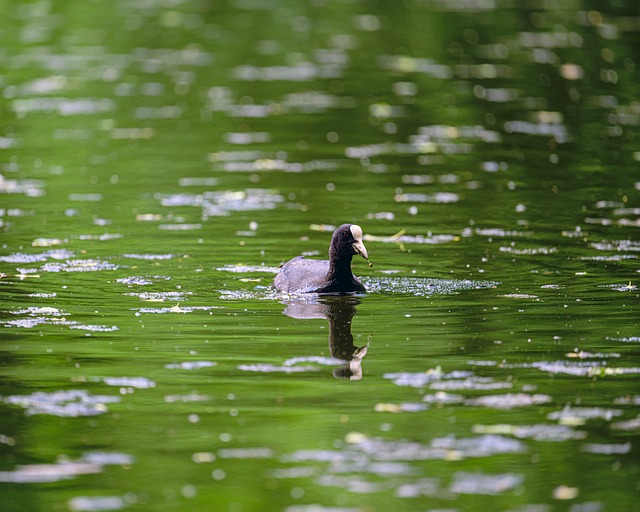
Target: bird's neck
(339,266)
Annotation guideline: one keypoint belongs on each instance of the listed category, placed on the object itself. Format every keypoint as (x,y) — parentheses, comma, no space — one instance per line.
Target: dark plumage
(300,275)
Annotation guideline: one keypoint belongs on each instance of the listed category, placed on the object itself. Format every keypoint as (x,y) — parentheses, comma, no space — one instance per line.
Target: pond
(161,159)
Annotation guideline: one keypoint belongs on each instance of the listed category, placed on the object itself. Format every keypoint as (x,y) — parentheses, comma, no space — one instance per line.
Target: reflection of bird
(340,312)
(300,275)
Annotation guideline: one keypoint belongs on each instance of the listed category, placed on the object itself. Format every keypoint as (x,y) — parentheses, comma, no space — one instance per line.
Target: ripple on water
(42,295)
(94,328)
(30,188)
(64,469)
(160,296)
(398,408)
(272,368)
(55,254)
(245,453)
(128,382)
(528,251)
(579,415)
(42,473)
(471,383)
(190,365)
(65,403)
(52,316)
(607,448)
(421,287)
(483,483)
(326,361)
(519,296)
(620,287)
(539,432)
(626,339)
(99,503)
(247,268)
(142,280)
(175,309)
(627,425)
(421,379)
(221,203)
(78,265)
(509,400)
(579,368)
(150,257)
(437,197)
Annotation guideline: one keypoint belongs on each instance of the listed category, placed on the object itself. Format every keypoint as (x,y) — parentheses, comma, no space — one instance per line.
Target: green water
(161,159)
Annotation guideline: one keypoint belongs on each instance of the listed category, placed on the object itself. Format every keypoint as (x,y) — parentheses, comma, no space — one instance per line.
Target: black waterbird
(300,275)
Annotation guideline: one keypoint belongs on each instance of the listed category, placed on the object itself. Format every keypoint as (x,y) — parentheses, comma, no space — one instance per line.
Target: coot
(300,275)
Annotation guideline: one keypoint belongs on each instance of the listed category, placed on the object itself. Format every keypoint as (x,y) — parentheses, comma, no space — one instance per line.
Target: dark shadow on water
(339,310)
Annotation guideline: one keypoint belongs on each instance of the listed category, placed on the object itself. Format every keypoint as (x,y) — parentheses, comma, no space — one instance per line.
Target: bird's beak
(359,247)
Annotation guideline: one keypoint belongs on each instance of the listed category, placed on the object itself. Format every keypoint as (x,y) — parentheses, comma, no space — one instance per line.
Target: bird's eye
(345,233)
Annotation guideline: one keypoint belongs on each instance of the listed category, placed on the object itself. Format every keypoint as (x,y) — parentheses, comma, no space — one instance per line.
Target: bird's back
(300,275)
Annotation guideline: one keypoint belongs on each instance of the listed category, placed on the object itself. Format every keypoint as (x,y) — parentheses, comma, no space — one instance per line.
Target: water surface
(161,159)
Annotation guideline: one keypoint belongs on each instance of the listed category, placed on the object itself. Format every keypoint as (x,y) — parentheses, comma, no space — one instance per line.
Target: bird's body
(301,275)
